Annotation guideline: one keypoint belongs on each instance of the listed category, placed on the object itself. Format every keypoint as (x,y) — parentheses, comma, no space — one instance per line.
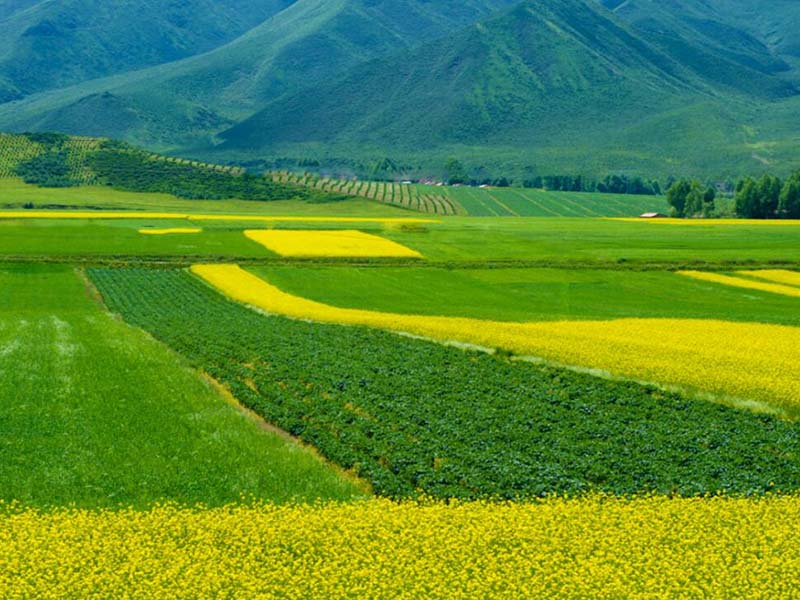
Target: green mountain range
(707,87)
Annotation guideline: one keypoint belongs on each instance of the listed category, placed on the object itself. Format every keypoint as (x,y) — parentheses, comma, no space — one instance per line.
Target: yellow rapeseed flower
(740,282)
(751,361)
(344,243)
(776,276)
(582,548)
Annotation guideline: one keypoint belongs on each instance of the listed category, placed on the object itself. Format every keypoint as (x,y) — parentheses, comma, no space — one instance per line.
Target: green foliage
(690,198)
(50,169)
(135,171)
(455,172)
(415,417)
(789,204)
(758,199)
(97,414)
(56,160)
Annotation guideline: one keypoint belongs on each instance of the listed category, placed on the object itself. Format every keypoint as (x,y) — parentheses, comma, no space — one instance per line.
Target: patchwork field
(239,399)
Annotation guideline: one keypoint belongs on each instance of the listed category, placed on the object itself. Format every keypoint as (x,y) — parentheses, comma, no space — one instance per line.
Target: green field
(532,294)
(97,414)
(454,241)
(521,202)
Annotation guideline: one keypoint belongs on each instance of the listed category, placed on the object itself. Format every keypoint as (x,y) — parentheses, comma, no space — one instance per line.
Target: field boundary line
(268,427)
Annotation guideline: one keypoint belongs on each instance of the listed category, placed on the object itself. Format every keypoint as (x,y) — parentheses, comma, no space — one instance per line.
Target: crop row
(397,194)
(414,417)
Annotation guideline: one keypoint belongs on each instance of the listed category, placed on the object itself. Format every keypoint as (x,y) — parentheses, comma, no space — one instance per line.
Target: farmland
(350,398)
(97,414)
(483,201)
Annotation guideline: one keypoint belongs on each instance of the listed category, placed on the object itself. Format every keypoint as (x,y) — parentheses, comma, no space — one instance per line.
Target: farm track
(187,261)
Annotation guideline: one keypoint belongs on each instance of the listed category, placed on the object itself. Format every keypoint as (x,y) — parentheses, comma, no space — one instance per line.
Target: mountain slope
(46,44)
(711,41)
(309,42)
(548,73)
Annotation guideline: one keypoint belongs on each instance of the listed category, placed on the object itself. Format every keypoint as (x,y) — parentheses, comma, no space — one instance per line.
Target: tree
(789,202)
(769,193)
(677,196)
(454,171)
(700,200)
(746,199)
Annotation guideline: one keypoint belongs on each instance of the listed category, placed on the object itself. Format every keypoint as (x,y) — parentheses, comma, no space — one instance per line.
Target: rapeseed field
(591,547)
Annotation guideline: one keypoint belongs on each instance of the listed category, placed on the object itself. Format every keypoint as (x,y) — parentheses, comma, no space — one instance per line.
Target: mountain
(545,86)
(309,42)
(550,78)
(50,44)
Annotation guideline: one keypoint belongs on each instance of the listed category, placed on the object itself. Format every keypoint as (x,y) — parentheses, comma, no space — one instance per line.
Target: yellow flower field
(342,244)
(582,548)
(170,231)
(740,282)
(111,214)
(756,364)
(776,276)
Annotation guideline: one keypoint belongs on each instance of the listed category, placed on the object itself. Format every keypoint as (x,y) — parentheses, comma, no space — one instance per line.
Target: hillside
(46,45)
(60,161)
(189,100)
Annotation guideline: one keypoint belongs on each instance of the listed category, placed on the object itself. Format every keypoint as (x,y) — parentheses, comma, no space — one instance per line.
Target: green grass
(417,417)
(96,413)
(82,238)
(532,294)
(14,194)
(601,242)
(519,202)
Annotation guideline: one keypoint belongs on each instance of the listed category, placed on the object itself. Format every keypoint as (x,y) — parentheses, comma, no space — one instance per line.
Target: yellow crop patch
(776,276)
(711,222)
(347,243)
(583,548)
(741,282)
(169,231)
(751,361)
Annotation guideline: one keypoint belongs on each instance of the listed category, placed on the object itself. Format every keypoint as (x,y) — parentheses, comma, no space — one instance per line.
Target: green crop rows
(430,201)
(415,417)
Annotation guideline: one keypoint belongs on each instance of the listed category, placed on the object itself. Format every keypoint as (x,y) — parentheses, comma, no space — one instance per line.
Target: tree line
(765,198)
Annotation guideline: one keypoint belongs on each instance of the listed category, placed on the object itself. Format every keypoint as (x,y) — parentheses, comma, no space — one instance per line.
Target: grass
(14,193)
(531,294)
(98,414)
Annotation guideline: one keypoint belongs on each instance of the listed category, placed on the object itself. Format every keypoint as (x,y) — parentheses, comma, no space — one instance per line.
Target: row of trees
(764,198)
(611,184)
(768,197)
(456,173)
